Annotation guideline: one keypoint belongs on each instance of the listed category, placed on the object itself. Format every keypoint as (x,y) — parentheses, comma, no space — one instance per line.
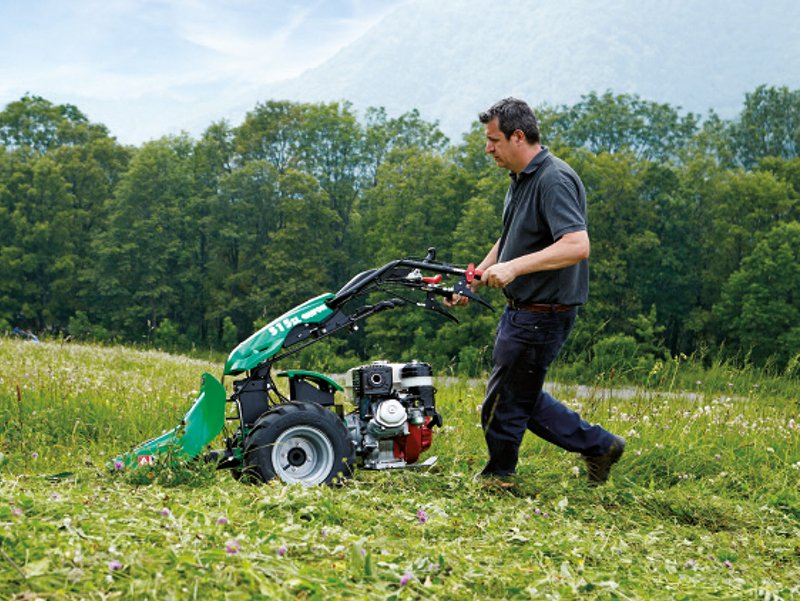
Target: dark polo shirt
(544,202)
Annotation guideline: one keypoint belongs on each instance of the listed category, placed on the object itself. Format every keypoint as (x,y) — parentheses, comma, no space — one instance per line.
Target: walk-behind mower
(307,437)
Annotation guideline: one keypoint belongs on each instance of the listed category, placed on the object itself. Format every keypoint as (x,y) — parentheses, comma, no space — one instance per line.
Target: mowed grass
(704,504)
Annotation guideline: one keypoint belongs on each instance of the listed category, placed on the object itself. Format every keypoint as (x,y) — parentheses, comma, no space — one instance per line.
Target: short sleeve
(563,208)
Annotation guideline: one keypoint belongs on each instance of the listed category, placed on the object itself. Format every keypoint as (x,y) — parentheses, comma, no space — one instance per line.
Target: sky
(148,68)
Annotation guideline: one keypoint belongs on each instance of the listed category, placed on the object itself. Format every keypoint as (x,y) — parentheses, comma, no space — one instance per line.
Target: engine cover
(390,413)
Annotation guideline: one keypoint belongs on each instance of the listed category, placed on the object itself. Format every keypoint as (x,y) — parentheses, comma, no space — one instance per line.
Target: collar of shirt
(534,165)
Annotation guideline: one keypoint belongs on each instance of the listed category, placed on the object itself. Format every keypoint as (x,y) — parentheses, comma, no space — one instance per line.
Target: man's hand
(459,299)
(456,300)
(499,275)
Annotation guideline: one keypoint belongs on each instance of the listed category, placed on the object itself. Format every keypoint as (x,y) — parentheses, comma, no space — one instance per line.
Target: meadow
(705,503)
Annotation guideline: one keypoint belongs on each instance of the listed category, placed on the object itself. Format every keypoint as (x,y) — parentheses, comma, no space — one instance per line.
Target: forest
(187,243)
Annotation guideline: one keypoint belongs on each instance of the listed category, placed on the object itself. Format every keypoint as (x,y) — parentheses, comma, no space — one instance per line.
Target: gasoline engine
(395,413)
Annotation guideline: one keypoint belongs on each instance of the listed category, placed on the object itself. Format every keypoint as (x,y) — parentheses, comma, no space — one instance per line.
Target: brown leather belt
(539,307)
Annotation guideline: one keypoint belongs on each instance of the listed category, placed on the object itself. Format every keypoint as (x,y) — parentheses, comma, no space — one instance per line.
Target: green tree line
(182,242)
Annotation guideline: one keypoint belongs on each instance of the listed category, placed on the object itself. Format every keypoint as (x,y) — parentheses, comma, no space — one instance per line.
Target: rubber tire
(258,446)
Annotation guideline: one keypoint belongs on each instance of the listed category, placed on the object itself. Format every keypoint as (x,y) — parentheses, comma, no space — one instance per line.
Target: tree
(322,140)
(243,217)
(713,141)
(213,156)
(759,309)
(57,171)
(621,227)
(413,206)
(298,259)
(769,125)
(145,270)
(39,257)
(384,134)
(35,125)
(744,208)
(787,170)
(609,123)
(271,132)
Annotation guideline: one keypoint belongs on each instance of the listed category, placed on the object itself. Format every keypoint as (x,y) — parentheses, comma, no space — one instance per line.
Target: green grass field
(704,504)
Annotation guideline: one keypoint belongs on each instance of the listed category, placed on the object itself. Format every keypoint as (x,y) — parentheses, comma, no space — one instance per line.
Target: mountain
(453,58)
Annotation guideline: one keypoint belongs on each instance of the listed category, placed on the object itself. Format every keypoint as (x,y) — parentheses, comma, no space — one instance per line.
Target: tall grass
(704,503)
(58,400)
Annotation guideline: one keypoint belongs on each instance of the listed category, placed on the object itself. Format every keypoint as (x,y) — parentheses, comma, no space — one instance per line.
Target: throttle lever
(462,287)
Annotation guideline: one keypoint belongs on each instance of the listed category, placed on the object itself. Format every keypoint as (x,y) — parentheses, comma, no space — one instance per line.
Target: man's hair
(513,114)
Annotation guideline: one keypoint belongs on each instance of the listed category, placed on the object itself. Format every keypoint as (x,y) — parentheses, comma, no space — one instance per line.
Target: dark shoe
(599,467)
(495,481)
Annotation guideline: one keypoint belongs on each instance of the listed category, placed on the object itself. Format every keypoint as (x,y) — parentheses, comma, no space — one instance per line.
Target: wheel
(300,443)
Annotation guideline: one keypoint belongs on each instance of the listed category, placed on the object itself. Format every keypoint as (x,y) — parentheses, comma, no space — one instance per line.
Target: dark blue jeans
(525,346)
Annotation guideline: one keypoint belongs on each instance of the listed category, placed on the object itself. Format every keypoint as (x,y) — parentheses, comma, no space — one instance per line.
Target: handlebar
(408,273)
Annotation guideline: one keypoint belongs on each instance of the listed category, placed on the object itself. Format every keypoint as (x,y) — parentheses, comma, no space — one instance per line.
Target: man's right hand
(456,300)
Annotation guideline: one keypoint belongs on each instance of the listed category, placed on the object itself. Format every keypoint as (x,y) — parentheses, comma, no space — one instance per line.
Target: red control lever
(433,280)
(472,273)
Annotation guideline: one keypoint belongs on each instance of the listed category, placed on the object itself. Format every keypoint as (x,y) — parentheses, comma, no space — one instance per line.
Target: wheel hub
(296,457)
(302,455)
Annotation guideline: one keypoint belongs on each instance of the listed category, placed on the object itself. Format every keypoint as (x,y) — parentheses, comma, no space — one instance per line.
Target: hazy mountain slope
(452,58)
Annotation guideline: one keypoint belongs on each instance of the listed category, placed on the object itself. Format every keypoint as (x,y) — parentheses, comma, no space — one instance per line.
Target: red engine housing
(409,448)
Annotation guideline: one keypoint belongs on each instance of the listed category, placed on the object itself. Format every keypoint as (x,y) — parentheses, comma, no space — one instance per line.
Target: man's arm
(490,259)
(568,250)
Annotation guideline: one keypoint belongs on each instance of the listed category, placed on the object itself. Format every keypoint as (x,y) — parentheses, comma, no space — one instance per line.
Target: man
(541,263)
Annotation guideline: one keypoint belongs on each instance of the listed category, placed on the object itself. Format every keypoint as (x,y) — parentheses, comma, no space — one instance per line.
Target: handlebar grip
(472,273)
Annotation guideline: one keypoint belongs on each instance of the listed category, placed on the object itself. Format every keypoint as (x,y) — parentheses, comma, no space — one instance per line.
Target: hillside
(452,58)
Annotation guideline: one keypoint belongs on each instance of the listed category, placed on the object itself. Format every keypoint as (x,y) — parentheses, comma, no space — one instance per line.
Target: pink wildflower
(114,565)
(281,551)
(406,578)
(422,516)
(232,547)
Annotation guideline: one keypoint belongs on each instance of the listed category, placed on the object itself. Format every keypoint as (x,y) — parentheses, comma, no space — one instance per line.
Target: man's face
(503,150)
